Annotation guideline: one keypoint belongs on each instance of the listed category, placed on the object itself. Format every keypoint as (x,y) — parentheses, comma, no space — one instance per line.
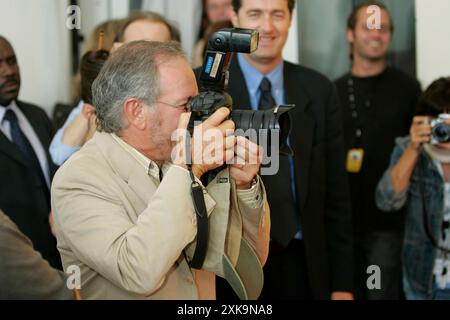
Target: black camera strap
(353,104)
(202,223)
(200,211)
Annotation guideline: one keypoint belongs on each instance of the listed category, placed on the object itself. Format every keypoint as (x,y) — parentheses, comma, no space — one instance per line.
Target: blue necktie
(266,101)
(24,145)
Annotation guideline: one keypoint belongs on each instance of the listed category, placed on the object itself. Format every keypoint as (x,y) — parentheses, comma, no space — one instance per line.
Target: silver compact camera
(440,130)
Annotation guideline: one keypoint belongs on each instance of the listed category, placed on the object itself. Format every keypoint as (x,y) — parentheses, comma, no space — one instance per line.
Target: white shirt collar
(150,167)
(13,106)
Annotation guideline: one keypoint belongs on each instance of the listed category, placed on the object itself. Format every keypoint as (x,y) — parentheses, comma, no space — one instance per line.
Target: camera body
(440,130)
(214,80)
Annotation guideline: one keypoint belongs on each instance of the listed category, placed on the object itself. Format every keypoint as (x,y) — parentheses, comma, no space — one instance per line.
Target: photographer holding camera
(418,179)
(124,204)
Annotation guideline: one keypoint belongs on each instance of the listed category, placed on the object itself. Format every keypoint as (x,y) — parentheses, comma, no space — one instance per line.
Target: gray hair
(130,72)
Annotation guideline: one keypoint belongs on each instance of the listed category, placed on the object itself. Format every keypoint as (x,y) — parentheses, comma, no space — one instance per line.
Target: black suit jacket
(322,186)
(22,195)
(393,99)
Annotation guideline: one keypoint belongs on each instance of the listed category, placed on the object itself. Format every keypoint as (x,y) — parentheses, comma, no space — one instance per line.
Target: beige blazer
(129,233)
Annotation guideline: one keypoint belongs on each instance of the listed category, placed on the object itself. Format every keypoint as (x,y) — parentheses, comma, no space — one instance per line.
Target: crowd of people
(368,182)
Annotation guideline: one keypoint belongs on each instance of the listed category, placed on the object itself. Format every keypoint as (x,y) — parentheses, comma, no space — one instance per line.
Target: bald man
(147,26)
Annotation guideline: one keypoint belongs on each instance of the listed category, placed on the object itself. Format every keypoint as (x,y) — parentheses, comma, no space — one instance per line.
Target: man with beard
(126,206)
(25,166)
(378,102)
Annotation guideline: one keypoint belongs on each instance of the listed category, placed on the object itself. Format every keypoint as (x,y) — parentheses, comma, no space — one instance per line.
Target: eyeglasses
(187,106)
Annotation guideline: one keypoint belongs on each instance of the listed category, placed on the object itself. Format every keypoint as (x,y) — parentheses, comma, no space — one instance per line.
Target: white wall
(433,40)
(94,12)
(37,30)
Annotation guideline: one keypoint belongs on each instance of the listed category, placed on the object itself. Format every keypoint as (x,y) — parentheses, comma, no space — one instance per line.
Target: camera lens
(268,120)
(441,133)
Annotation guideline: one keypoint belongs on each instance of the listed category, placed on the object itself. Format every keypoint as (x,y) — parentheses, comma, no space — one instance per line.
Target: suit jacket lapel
(37,126)
(43,133)
(302,129)
(128,169)
(11,150)
(9,147)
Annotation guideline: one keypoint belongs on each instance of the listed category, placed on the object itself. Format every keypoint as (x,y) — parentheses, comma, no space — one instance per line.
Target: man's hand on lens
(245,166)
(213,143)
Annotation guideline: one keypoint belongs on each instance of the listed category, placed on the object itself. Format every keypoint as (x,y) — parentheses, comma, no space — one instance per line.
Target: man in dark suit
(311,249)
(25,166)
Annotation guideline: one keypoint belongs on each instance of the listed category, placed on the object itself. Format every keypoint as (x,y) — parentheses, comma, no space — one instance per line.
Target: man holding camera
(310,248)
(378,104)
(124,211)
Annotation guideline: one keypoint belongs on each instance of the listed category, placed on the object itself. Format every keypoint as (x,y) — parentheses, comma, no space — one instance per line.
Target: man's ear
(135,113)
(350,36)
(234,19)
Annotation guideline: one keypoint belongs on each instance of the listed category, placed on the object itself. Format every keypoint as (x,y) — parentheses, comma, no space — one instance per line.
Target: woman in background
(216,15)
(81,125)
(419,178)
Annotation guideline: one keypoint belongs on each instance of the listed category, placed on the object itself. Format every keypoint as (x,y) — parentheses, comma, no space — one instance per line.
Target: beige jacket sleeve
(95,218)
(255,219)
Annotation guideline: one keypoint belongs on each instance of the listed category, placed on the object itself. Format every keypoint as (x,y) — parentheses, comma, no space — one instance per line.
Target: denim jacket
(426,187)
